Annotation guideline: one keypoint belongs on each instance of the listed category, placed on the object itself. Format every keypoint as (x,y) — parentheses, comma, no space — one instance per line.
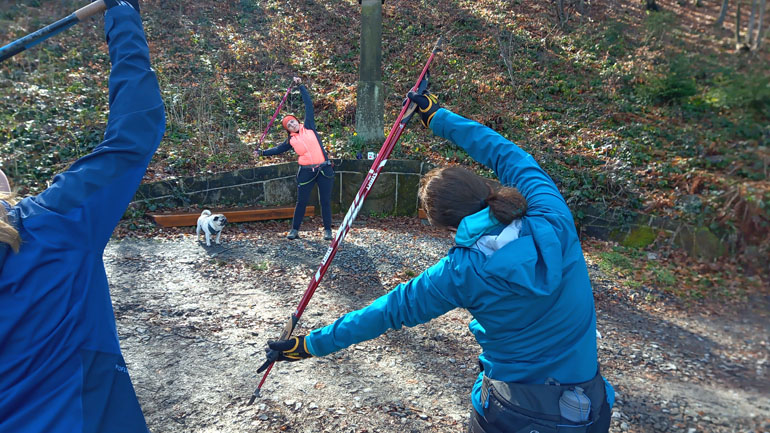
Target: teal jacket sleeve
(427,296)
(512,165)
(95,191)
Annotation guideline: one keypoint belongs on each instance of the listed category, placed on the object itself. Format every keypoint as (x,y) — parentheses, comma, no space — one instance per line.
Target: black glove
(293,349)
(112,3)
(427,105)
(258,152)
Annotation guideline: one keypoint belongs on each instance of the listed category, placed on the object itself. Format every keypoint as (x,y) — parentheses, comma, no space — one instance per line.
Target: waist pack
(527,408)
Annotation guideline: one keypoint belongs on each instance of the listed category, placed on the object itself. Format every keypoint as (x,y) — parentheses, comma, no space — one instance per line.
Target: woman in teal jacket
(518,268)
(61,369)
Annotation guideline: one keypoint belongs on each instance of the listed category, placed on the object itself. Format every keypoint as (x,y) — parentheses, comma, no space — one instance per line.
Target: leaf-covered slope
(644,110)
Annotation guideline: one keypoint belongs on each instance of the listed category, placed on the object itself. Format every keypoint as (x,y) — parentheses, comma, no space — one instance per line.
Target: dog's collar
(212,229)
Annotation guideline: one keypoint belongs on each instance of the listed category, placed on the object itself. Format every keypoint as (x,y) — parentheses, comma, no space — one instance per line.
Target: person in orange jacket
(314,165)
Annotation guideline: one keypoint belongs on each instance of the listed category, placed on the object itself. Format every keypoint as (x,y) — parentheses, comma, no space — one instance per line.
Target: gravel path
(193,321)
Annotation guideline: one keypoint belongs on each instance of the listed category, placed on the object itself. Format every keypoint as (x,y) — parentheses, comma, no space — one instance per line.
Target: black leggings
(306,178)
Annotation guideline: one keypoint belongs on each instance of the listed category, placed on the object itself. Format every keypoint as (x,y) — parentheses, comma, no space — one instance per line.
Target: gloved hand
(112,3)
(293,349)
(427,105)
(258,153)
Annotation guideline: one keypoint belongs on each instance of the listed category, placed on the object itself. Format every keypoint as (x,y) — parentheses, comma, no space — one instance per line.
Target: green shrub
(673,86)
(742,91)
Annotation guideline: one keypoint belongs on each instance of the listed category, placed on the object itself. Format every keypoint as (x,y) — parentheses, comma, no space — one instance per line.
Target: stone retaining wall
(395,193)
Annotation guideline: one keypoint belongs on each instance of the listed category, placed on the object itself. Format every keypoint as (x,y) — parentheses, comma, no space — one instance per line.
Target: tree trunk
(738,26)
(750,29)
(370,102)
(722,14)
(760,36)
(560,13)
(650,5)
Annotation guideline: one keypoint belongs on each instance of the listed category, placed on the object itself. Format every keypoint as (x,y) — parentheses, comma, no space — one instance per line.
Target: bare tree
(561,12)
(753,39)
(650,5)
(740,46)
(750,29)
(760,36)
(722,14)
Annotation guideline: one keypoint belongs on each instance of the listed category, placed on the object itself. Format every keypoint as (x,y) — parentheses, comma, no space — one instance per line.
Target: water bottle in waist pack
(574,405)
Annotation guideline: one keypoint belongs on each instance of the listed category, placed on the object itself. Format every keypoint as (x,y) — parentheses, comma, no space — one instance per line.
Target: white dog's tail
(206,212)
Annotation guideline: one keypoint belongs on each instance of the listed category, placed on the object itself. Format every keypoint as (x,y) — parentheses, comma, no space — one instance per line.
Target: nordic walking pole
(382,158)
(277,110)
(46,32)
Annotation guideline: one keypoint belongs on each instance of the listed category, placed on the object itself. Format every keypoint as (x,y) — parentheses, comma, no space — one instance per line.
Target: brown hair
(450,194)
(8,233)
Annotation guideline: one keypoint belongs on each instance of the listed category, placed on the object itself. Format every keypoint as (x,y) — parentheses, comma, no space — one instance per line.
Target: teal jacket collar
(475,226)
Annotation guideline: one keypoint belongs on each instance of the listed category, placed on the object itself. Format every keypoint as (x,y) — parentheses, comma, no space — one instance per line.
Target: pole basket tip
(253,397)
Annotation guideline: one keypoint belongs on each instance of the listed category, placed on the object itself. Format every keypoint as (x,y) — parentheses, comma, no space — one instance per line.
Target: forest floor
(193,321)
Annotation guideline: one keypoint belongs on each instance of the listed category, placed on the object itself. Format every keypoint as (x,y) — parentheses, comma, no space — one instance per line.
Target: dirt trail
(193,322)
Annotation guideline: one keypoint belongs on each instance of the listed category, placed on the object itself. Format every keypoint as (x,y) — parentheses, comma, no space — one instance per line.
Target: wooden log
(233,216)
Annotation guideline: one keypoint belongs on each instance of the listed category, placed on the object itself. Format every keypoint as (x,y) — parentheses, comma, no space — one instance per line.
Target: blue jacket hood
(529,263)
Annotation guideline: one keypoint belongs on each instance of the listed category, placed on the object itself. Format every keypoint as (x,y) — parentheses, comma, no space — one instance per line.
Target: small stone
(262,417)
(624,426)
(289,402)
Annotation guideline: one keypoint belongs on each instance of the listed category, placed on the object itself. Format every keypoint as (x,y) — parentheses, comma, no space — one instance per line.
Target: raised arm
(512,165)
(96,189)
(309,114)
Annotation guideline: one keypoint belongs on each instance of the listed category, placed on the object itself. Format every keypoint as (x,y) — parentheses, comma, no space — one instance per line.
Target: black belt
(315,167)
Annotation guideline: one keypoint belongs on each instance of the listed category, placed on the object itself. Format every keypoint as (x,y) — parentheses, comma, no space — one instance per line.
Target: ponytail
(506,204)
(450,194)
(8,233)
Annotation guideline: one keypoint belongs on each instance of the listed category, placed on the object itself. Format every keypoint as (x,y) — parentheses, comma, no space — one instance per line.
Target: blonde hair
(8,233)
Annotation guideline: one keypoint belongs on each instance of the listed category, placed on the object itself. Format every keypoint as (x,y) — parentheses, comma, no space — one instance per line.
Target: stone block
(243,195)
(706,244)
(280,191)
(406,197)
(154,190)
(403,166)
(639,237)
(381,198)
(354,165)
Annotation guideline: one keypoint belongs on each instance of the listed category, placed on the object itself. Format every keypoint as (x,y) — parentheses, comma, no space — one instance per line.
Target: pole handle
(91,9)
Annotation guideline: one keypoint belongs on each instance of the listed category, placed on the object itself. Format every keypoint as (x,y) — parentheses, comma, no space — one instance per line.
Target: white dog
(210,225)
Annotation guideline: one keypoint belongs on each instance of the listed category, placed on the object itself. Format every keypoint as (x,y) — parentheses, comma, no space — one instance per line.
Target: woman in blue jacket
(61,368)
(518,268)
